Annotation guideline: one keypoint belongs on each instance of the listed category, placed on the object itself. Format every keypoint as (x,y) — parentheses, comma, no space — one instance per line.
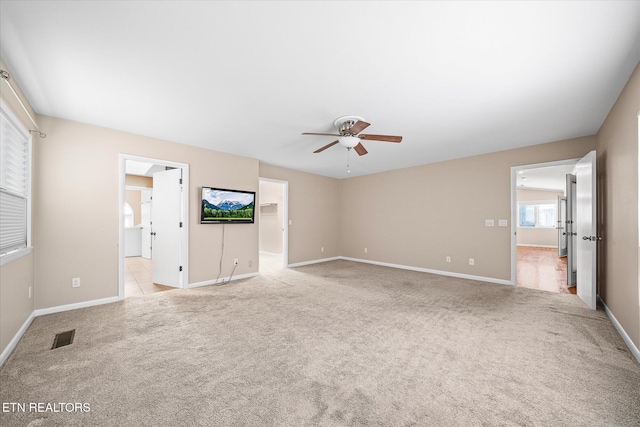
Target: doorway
(273,220)
(539,259)
(156,251)
(581,224)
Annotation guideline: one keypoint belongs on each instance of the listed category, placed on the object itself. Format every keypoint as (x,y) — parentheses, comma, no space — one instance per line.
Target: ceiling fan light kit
(349,141)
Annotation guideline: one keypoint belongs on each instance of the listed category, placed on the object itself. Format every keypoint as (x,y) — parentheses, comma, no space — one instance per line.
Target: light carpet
(332,344)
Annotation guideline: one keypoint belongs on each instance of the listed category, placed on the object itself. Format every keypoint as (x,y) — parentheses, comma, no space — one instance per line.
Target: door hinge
(180,180)
(180,224)
(180,268)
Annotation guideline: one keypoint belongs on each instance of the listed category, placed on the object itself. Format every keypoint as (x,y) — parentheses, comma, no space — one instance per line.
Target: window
(537,214)
(15,181)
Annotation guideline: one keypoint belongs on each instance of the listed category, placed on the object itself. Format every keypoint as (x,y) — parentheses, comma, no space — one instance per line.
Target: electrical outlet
(250,263)
(366,250)
(75,282)
(235,261)
(472,261)
(322,249)
(448,259)
(29,291)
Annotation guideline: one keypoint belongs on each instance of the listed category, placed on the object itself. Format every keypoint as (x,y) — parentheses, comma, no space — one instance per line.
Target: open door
(586,229)
(581,229)
(570,226)
(562,226)
(166,219)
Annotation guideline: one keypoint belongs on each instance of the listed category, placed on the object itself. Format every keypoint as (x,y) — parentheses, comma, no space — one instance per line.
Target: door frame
(514,207)
(285,220)
(184,247)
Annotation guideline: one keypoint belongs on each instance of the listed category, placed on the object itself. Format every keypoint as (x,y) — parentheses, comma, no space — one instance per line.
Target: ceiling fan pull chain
(348,153)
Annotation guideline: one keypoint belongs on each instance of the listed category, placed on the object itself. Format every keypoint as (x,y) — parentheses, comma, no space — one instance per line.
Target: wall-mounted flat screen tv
(221,206)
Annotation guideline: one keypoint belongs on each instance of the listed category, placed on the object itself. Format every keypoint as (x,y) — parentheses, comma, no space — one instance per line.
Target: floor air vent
(63,338)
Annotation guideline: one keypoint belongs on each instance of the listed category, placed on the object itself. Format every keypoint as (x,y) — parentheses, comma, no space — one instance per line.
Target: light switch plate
(502,222)
(488,222)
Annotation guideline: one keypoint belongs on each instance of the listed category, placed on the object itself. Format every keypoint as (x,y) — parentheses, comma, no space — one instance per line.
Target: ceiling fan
(349,136)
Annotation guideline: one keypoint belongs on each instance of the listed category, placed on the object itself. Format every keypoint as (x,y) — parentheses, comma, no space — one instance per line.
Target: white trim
(137,188)
(538,246)
(221,280)
(14,341)
(270,253)
(12,256)
(74,306)
(405,267)
(621,331)
(428,270)
(314,261)
(41,312)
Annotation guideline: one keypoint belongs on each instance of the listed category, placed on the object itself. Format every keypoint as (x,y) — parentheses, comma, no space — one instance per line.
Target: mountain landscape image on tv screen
(220,205)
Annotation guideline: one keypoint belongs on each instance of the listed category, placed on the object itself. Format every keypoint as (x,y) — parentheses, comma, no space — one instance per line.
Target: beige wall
(528,236)
(313,213)
(78,236)
(418,216)
(138,181)
(16,277)
(271,214)
(618,208)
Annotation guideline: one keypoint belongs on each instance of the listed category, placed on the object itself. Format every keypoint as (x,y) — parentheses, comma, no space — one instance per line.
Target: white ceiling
(545,178)
(453,78)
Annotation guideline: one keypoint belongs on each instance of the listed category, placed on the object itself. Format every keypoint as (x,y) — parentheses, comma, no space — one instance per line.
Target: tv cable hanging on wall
(220,265)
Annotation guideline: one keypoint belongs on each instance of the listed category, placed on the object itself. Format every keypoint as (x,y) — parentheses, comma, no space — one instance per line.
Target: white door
(562,226)
(586,228)
(145,220)
(166,218)
(570,224)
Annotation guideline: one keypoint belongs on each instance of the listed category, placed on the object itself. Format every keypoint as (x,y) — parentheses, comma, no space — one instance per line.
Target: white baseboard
(428,270)
(12,344)
(67,307)
(313,261)
(271,253)
(621,331)
(538,246)
(221,280)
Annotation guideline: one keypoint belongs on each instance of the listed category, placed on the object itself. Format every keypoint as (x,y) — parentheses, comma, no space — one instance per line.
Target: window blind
(14,162)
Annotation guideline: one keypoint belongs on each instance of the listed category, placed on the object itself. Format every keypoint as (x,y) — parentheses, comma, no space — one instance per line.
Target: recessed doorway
(539,256)
(273,220)
(157,238)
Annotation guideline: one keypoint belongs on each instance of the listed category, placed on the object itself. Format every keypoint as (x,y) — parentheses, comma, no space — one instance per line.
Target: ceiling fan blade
(360,149)
(359,127)
(327,146)
(387,138)
(324,134)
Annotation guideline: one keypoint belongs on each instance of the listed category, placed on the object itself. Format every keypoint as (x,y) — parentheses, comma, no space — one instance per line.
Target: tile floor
(541,268)
(138,278)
